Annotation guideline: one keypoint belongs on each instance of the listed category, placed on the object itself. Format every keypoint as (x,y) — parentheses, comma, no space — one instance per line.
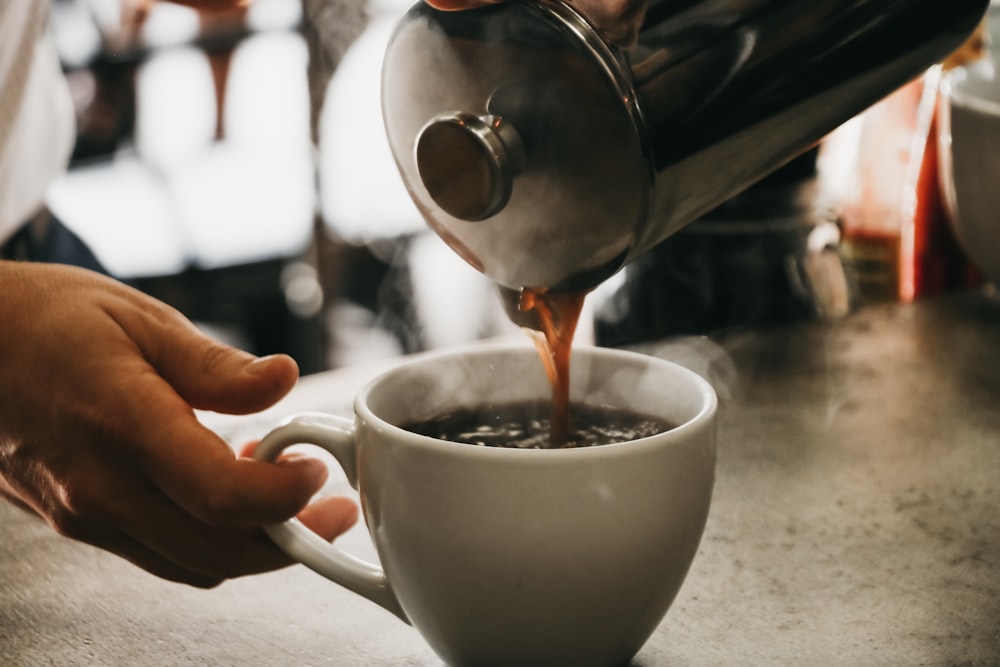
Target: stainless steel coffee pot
(549,150)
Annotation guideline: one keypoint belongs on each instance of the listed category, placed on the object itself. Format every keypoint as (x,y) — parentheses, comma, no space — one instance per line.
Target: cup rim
(705,414)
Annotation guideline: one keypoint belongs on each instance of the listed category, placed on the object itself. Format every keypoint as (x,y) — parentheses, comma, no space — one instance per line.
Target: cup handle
(335,435)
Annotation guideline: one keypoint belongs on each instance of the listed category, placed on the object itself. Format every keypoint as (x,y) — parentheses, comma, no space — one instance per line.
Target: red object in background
(931,259)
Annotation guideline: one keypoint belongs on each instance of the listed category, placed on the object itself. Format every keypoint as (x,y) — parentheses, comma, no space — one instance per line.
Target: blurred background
(235,166)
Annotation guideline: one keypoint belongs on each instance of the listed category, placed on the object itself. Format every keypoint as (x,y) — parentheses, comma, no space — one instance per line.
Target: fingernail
(258,365)
(278,368)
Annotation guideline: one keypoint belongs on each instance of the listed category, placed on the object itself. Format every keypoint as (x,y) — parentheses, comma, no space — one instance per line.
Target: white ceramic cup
(969,160)
(518,557)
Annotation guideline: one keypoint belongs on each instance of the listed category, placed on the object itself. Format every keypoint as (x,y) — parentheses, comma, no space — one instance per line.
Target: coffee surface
(527,425)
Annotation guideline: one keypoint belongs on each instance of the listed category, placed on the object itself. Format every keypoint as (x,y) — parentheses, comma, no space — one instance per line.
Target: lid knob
(468,163)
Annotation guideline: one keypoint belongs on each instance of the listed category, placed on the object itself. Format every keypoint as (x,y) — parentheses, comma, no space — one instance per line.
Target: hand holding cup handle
(335,435)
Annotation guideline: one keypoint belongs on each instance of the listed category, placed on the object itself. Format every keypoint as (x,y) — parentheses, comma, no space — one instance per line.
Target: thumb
(206,373)
(255,384)
(214,376)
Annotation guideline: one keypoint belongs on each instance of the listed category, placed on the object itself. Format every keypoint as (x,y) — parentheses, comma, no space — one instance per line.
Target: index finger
(201,473)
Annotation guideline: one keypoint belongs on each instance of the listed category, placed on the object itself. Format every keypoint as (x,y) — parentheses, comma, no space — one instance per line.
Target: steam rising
(493,378)
(703,356)
(429,297)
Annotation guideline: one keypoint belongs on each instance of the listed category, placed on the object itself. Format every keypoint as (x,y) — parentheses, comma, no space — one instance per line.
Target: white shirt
(36,112)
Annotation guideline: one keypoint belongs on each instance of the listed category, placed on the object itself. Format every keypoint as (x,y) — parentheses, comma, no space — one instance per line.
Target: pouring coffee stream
(549,158)
(557,316)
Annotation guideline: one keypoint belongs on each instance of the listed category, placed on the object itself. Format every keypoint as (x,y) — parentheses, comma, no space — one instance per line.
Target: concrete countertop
(855,521)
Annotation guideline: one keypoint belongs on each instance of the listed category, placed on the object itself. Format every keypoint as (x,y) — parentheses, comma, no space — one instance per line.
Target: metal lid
(515,132)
